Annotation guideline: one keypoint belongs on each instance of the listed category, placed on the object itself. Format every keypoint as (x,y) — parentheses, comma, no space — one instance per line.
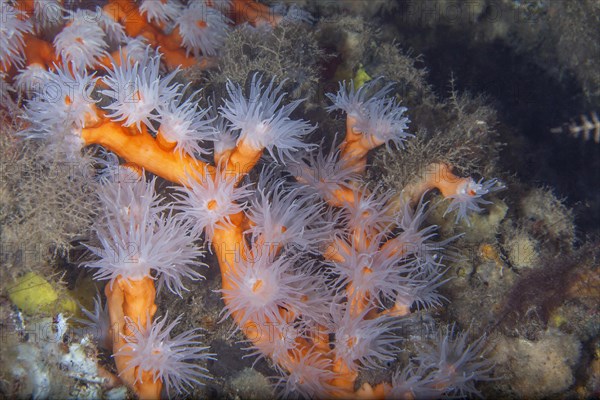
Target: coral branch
(143,150)
(133,299)
(316,267)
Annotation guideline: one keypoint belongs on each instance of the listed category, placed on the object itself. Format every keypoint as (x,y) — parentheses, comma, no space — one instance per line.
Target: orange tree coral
(318,271)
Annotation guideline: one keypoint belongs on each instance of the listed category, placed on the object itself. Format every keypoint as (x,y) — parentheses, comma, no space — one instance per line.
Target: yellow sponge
(32,293)
(361,77)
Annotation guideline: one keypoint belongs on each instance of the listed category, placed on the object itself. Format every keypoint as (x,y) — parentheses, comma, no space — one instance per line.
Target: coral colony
(319,272)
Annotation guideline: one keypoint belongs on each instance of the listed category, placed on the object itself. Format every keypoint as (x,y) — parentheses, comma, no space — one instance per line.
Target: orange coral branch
(133,299)
(254,13)
(242,159)
(39,51)
(142,149)
(436,176)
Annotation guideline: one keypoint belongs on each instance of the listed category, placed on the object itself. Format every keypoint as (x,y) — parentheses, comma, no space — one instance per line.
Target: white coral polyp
(161,11)
(183,123)
(138,90)
(287,218)
(82,42)
(137,240)
(209,203)
(369,211)
(379,118)
(323,174)
(261,286)
(263,121)
(372,342)
(47,14)
(12,31)
(352,100)
(60,106)
(136,49)
(203,29)
(114,30)
(31,79)
(310,375)
(383,121)
(469,197)
(172,360)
